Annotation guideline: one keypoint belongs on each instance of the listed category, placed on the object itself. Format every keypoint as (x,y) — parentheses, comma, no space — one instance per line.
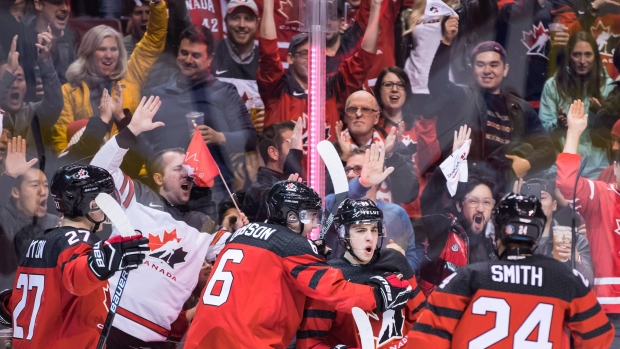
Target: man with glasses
(456,232)
(361,117)
(284,91)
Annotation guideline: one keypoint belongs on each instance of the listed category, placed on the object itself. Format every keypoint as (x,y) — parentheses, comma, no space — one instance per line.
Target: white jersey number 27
(227,278)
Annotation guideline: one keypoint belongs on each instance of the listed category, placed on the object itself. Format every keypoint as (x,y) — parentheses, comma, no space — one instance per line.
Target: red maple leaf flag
(199,162)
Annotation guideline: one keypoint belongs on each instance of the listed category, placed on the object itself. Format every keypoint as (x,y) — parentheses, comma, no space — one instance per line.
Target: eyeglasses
(357,170)
(302,54)
(474,202)
(352,111)
(388,85)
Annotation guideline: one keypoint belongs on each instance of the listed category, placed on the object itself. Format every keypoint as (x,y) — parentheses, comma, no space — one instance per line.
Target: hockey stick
(364,328)
(116,215)
(339,178)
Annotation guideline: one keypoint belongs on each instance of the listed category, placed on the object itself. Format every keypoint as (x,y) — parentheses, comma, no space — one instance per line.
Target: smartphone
(531,189)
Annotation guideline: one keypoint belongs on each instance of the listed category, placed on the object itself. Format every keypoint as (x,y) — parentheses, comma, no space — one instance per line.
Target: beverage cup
(194,118)
(562,238)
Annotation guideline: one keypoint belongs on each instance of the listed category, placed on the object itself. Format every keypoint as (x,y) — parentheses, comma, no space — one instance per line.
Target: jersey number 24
(540,317)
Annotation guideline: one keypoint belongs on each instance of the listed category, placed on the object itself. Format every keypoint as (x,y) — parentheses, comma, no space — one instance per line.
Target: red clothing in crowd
(209,13)
(599,204)
(285,99)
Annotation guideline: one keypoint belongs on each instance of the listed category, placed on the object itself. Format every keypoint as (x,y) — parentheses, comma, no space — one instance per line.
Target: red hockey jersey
(256,292)
(516,302)
(323,327)
(599,204)
(57,301)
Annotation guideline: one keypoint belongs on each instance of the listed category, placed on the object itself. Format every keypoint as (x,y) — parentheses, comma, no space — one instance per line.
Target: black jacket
(456,105)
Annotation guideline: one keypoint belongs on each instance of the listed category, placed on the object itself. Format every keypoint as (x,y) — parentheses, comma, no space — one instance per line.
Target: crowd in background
(403,79)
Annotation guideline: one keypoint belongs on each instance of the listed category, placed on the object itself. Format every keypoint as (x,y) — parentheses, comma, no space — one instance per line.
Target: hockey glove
(6,318)
(390,292)
(117,253)
(322,247)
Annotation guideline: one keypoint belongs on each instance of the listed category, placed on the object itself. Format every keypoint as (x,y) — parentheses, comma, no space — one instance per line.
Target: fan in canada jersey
(361,231)
(154,295)
(260,281)
(522,300)
(61,294)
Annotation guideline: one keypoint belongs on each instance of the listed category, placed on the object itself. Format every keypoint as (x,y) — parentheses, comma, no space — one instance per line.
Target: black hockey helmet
(291,196)
(519,219)
(355,212)
(75,186)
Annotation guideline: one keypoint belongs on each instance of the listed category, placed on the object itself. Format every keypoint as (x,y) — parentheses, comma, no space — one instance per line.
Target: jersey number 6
(226,277)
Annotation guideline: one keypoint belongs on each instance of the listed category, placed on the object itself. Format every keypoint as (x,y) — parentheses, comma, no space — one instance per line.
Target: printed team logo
(434,9)
(81,174)
(392,324)
(291,187)
(167,248)
(289,9)
(455,248)
(536,40)
(606,40)
(510,229)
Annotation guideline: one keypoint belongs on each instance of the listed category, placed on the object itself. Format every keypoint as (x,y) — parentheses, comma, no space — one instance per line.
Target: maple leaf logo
(245,97)
(606,40)
(289,9)
(536,40)
(156,242)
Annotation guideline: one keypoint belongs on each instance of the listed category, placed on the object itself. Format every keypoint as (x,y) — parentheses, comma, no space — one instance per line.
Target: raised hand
(295,177)
(450,30)
(12,61)
(344,141)
(117,102)
(105,107)
(44,45)
(15,163)
(460,137)
(372,172)
(142,119)
(576,119)
(390,142)
(297,141)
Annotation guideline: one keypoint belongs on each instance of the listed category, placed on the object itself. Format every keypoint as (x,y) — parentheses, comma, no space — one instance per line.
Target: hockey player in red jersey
(61,296)
(256,292)
(522,300)
(361,231)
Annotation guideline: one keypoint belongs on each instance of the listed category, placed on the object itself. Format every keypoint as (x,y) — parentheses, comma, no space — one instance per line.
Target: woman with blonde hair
(102,65)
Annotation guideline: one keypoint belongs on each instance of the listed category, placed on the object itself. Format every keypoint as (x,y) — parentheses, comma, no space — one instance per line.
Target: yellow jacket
(77,98)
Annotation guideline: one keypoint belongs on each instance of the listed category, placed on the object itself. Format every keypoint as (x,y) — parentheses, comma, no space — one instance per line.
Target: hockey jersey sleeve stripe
(597,332)
(311,334)
(578,317)
(316,278)
(428,329)
(419,307)
(129,195)
(445,312)
(124,185)
(142,321)
(319,314)
(300,268)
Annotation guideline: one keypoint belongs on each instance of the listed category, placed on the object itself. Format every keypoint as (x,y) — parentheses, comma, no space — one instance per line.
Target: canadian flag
(199,162)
